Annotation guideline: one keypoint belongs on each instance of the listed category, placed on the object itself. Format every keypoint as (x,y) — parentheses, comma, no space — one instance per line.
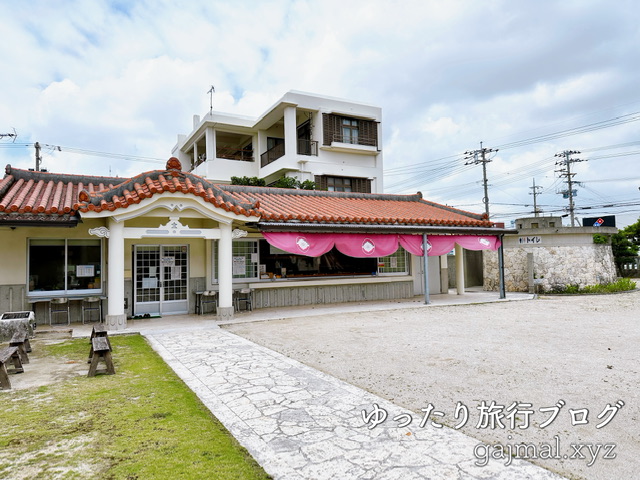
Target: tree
(286,182)
(292,182)
(250,181)
(626,243)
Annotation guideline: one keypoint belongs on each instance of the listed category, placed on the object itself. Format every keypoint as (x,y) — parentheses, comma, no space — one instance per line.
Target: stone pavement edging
(299,423)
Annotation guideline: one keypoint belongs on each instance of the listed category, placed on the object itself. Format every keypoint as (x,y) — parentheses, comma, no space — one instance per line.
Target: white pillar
(116,318)
(290,132)
(459,269)
(210,140)
(444,274)
(225,273)
(425,258)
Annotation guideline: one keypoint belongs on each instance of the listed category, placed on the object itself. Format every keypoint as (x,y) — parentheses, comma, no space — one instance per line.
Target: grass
(621,285)
(142,423)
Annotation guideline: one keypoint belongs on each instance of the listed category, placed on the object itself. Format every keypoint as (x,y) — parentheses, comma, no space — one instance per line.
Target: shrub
(621,285)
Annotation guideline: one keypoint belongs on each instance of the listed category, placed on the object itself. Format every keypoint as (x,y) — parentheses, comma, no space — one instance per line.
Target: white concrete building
(335,143)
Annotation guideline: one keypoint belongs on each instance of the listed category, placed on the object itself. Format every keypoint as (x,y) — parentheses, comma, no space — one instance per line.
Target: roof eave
(370,228)
(35,222)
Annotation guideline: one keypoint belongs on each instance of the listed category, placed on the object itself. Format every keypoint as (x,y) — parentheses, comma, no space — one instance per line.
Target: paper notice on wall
(84,271)
(176,273)
(168,261)
(150,282)
(239,265)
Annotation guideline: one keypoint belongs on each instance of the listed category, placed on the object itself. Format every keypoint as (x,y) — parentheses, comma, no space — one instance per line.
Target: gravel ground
(583,350)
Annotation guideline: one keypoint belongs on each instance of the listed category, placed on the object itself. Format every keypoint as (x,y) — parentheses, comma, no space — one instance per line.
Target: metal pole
(570,184)
(501,267)
(426,269)
(486,189)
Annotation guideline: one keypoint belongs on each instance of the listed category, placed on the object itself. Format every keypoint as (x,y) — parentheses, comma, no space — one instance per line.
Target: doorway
(161,279)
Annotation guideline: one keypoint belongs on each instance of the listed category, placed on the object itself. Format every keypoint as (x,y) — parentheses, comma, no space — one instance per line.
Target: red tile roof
(28,196)
(285,205)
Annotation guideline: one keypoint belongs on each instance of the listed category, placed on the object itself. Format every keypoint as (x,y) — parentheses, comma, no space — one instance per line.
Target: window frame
(215,280)
(66,291)
(406,259)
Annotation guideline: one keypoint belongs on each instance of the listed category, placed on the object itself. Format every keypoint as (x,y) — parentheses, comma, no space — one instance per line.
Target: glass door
(161,279)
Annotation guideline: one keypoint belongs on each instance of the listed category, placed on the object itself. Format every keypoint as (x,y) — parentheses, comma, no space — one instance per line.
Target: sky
(105,87)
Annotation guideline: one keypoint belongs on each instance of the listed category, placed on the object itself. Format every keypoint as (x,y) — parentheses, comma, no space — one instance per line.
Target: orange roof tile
(285,205)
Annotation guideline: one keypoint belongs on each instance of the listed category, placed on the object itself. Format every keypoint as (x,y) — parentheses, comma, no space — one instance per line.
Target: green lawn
(142,423)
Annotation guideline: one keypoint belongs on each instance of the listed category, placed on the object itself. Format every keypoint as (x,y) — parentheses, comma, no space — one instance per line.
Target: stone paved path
(299,423)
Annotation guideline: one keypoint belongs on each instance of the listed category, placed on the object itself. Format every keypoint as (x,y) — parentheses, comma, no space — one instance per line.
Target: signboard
(535,240)
(604,221)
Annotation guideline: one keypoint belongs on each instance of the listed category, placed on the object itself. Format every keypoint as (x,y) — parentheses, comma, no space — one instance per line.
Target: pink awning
(363,245)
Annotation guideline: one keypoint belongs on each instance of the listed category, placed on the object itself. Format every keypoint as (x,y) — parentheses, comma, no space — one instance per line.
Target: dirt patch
(582,350)
(45,370)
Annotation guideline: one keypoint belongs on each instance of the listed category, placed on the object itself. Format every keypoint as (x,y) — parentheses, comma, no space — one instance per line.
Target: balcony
(233,153)
(272,155)
(305,147)
(354,138)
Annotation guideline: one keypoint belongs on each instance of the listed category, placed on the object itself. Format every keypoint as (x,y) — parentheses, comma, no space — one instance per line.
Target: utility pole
(480,156)
(565,171)
(535,194)
(38,157)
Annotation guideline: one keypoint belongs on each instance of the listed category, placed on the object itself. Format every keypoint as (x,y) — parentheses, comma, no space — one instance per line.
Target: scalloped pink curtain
(376,245)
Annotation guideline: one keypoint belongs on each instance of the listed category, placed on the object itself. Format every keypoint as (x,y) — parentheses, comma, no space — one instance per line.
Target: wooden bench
(98,330)
(21,340)
(6,354)
(101,350)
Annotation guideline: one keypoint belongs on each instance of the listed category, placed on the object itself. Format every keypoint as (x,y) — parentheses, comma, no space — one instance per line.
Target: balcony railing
(233,153)
(272,155)
(359,139)
(307,147)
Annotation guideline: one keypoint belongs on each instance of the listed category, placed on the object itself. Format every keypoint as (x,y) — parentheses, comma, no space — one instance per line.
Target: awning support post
(501,267)
(427,301)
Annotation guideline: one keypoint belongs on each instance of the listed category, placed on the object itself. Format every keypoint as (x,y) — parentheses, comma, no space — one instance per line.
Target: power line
(565,171)
(535,194)
(476,154)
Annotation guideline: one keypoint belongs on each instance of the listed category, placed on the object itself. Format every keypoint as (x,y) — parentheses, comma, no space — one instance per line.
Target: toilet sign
(535,240)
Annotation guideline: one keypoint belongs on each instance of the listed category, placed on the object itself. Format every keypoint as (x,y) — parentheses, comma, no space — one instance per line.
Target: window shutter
(321,182)
(369,133)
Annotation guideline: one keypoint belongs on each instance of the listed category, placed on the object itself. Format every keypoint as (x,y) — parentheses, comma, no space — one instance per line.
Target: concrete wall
(319,294)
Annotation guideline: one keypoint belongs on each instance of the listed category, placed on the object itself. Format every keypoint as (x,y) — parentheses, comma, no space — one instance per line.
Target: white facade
(336,143)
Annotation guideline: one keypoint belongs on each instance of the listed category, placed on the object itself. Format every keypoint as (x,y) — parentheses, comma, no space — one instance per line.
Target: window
(394,263)
(245,260)
(63,266)
(349,130)
(356,131)
(336,184)
(343,184)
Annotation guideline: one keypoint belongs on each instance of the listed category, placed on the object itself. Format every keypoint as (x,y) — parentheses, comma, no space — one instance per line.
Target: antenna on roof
(211,91)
